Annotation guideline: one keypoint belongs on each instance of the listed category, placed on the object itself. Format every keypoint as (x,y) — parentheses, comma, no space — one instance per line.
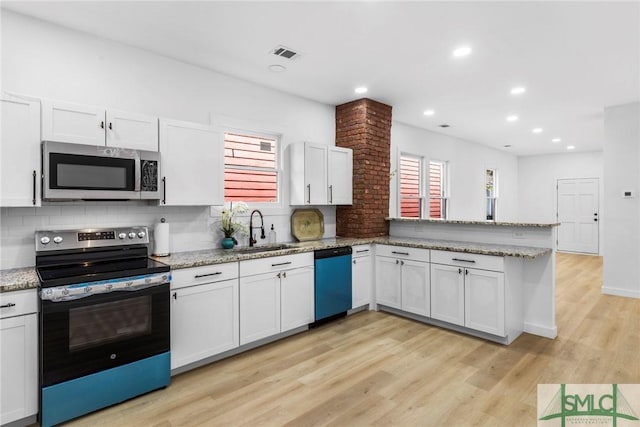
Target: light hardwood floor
(378,369)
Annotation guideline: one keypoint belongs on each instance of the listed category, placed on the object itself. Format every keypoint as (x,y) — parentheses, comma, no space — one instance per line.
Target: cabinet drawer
(276,263)
(17,303)
(461,259)
(206,274)
(416,254)
(361,250)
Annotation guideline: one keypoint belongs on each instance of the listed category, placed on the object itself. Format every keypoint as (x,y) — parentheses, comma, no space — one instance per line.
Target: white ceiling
(575,58)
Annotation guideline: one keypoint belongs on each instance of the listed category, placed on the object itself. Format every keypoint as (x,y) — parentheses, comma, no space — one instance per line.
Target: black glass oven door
(99,332)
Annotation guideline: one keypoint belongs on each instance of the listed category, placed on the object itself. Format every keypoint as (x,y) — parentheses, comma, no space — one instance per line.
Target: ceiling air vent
(285,52)
(444,125)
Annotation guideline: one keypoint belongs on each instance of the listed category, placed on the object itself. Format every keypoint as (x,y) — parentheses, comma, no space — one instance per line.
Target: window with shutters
(251,167)
(491,188)
(438,189)
(411,194)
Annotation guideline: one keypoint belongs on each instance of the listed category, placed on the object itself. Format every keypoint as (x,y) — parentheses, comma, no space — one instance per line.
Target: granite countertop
(27,278)
(17,279)
(463,222)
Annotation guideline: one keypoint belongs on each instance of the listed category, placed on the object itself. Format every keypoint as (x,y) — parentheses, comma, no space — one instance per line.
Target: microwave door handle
(138,172)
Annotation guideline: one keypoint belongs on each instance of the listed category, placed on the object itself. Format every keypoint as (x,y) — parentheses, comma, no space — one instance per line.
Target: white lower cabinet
(204,313)
(18,355)
(276,295)
(361,276)
(470,297)
(402,279)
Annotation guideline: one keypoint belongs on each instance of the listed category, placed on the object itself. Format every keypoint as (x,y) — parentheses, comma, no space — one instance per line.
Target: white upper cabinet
(340,175)
(320,174)
(19,152)
(86,124)
(131,130)
(192,164)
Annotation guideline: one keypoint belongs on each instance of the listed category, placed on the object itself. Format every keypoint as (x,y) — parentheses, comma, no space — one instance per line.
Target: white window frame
(493,200)
(234,125)
(422,196)
(445,189)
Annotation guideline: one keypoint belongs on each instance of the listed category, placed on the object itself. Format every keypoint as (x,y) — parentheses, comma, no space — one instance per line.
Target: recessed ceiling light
(361,89)
(556,140)
(462,51)
(429,112)
(277,68)
(536,130)
(519,90)
(570,147)
(512,118)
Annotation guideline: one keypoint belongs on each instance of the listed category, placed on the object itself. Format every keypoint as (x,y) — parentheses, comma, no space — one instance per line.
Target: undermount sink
(257,249)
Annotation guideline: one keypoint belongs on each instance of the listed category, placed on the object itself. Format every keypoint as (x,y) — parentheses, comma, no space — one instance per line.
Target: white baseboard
(543,331)
(621,292)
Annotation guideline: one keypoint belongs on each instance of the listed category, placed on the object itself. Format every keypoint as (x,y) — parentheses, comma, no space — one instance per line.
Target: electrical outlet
(519,235)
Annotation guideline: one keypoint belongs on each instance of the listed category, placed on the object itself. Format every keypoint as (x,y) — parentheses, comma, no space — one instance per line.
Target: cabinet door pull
(164,190)
(309,188)
(331,194)
(400,253)
(102,124)
(284,274)
(459,271)
(8,305)
(463,260)
(175,295)
(198,276)
(401,262)
(279,275)
(354,261)
(397,262)
(362,251)
(110,126)
(34,188)
(281,263)
(466,272)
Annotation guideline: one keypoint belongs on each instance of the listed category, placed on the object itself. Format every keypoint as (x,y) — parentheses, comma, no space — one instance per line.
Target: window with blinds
(437,190)
(250,168)
(415,200)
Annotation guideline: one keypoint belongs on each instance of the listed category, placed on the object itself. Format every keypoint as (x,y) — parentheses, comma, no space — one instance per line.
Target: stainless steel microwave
(90,172)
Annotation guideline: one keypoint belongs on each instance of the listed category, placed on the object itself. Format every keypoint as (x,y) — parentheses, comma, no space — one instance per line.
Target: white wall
(467,164)
(537,176)
(48,61)
(622,220)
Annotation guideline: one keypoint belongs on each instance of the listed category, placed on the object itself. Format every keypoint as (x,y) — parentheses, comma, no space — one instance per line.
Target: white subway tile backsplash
(48,211)
(10,221)
(72,210)
(21,211)
(35,221)
(62,220)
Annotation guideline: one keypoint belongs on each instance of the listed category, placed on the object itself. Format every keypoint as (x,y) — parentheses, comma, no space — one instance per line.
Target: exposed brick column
(365,127)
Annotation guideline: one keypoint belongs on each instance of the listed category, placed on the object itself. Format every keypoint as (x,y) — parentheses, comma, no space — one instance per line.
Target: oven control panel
(90,238)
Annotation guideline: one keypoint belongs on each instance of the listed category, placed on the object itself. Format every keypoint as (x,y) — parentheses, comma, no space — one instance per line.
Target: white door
(415,287)
(20,152)
(204,321)
(447,293)
(19,367)
(259,307)
(340,176)
(388,276)
(192,164)
(484,301)
(131,130)
(74,123)
(361,278)
(315,174)
(578,215)
(296,298)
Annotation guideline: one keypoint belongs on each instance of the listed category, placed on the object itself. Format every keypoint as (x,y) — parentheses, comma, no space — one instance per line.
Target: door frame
(599,228)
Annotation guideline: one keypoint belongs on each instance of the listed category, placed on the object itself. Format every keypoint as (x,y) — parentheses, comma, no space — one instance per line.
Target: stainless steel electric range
(104,320)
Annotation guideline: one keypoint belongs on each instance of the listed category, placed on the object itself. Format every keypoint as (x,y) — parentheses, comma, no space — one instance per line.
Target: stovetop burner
(87,255)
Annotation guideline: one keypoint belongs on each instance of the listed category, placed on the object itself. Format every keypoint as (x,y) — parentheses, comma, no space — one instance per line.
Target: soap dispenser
(272,235)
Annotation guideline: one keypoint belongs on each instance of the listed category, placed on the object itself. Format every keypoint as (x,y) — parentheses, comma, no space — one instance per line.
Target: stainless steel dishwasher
(332,282)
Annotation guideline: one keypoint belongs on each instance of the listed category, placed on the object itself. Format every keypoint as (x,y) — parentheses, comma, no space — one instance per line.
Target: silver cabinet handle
(463,260)
(281,263)
(8,305)
(400,253)
(197,276)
